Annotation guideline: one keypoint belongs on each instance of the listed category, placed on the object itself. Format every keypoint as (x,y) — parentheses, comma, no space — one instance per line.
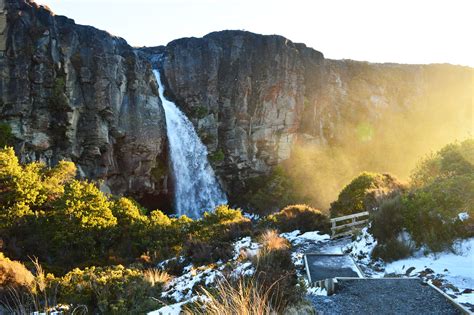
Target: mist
(391,141)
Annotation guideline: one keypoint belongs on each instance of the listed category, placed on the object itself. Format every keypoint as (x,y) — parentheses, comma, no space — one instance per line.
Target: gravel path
(383,296)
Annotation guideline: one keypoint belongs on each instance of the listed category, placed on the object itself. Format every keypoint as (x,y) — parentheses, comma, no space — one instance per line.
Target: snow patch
(181,288)
(245,269)
(245,245)
(361,249)
(463,216)
(297,239)
(457,268)
(172,309)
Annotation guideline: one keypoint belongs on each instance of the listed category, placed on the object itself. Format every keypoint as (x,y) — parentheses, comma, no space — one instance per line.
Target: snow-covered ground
(453,272)
(184,289)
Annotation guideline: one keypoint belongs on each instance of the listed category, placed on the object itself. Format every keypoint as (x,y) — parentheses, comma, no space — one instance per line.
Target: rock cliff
(252,98)
(74,92)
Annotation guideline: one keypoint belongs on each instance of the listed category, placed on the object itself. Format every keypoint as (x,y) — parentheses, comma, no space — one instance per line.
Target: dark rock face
(243,92)
(252,97)
(74,92)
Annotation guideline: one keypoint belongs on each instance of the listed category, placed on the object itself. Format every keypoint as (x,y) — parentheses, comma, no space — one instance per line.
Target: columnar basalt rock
(74,92)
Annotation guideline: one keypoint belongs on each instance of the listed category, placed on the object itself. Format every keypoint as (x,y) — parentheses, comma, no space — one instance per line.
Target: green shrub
(217,156)
(200,112)
(70,223)
(269,193)
(389,220)
(299,217)
(111,290)
(431,214)
(391,250)
(6,136)
(364,193)
(222,224)
(206,252)
(452,160)
(58,100)
(130,231)
(442,187)
(211,236)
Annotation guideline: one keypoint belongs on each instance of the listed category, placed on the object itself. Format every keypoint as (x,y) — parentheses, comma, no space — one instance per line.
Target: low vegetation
(269,193)
(245,296)
(364,193)
(299,217)
(100,252)
(436,210)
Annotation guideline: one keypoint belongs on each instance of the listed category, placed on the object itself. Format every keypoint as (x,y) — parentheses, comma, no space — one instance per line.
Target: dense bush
(111,290)
(211,236)
(391,250)
(388,221)
(299,217)
(364,193)
(442,188)
(453,160)
(69,223)
(431,212)
(268,193)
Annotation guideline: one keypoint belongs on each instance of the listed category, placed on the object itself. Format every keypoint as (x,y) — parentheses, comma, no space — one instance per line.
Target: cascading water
(196,187)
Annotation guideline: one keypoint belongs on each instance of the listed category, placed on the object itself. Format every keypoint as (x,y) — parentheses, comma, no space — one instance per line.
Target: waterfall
(196,187)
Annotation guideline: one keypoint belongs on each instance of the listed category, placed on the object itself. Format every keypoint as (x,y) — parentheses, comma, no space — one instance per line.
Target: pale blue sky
(406,31)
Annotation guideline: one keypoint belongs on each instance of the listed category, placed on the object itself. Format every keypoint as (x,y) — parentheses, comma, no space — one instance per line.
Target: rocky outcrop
(74,92)
(252,97)
(244,93)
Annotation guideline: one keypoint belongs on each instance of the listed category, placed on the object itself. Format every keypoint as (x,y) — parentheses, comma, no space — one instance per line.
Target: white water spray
(196,187)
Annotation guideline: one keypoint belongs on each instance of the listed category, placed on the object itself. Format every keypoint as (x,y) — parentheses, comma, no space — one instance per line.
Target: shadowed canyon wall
(74,92)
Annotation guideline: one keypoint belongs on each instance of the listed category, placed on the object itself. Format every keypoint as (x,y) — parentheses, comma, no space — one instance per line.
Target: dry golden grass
(271,241)
(243,298)
(156,276)
(38,296)
(14,273)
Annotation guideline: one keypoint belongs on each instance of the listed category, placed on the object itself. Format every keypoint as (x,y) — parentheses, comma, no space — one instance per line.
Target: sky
(402,31)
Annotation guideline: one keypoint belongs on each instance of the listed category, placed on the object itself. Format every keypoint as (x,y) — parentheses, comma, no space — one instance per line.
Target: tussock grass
(156,276)
(245,297)
(271,241)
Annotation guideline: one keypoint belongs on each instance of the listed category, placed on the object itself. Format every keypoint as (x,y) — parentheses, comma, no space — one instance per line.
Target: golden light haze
(393,142)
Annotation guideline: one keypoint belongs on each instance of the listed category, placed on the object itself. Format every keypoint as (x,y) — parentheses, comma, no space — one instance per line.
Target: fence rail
(355,224)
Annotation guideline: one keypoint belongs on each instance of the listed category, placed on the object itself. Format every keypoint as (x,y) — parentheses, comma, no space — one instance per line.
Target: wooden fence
(350,223)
